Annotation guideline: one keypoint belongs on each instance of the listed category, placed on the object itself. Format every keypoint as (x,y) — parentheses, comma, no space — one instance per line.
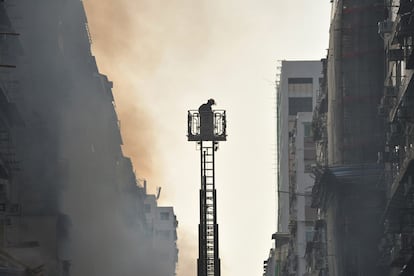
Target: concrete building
(396,29)
(316,251)
(71,205)
(297,93)
(270,265)
(10,121)
(162,225)
(302,215)
(348,191)
(278,255)
(362,126)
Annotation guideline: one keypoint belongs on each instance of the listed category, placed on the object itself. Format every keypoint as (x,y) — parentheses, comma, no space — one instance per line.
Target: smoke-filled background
(166,57)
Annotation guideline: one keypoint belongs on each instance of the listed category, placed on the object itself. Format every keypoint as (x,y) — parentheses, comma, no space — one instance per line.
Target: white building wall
(162,224)
(303,186)
(166,235)
(290,69)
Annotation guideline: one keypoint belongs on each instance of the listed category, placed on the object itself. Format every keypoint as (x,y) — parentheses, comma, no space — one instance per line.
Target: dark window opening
(300,80)
(300,105)
(164,216)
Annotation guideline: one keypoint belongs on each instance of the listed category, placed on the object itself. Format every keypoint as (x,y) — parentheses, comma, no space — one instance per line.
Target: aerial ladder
(207,127)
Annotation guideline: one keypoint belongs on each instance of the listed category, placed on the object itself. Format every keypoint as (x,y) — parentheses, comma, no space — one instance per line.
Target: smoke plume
(131,40)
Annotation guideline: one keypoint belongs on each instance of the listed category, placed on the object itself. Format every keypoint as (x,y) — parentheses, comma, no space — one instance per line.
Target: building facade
(297,93)
(396,246)
(348,192)
(70,202)
(162,224)
(362,127)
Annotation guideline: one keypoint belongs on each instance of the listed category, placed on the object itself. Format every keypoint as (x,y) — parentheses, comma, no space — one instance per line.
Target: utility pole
(207,127)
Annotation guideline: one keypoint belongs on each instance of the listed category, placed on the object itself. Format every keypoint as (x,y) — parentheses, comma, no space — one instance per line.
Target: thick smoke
(72,158)
(131,39)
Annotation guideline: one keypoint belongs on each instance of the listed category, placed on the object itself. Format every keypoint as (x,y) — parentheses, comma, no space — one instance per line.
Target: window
(307,128)
(303,104)
(164,216)
(309,235)
(300,85)
(308,200)
(309,154)
(165,233)
(147,208)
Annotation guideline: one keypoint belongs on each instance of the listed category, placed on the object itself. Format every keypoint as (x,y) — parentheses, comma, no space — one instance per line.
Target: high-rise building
(348,190)
(298,90)
(297,93)
(396,30)
(70,203)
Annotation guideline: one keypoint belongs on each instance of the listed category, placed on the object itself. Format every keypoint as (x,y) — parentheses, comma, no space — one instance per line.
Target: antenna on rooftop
(158,192)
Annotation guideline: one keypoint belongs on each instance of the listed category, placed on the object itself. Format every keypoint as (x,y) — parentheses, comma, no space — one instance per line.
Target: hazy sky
(166,57)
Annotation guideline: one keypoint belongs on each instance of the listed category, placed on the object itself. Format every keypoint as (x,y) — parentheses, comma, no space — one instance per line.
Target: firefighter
(207,120)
